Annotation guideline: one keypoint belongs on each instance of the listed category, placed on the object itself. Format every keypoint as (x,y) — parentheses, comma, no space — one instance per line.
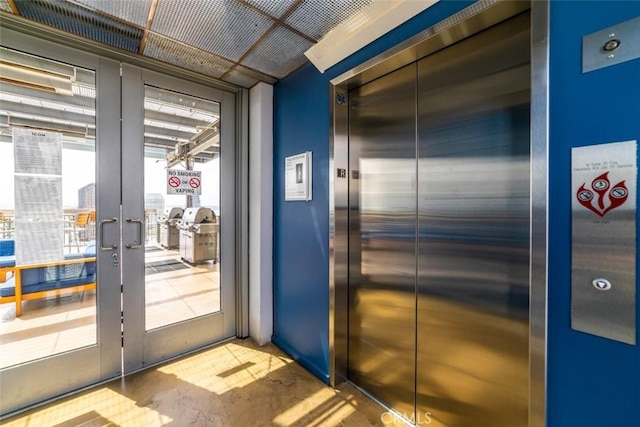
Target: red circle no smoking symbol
(194,182)
(174,182)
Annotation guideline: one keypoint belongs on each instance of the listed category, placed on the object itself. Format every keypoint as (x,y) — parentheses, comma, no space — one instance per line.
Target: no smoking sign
(183,182)
(194,183)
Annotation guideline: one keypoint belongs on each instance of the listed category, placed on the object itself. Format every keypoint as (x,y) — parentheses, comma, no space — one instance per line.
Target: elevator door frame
(466,23)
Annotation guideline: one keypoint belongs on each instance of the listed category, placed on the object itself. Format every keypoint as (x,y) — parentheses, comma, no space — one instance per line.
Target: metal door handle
(141,225)
(102,223)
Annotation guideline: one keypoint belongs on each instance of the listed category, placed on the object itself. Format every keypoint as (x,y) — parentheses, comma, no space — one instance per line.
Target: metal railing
(77,236)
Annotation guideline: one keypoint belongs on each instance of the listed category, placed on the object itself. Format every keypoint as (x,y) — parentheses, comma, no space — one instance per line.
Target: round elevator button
(611,45)
(601,284)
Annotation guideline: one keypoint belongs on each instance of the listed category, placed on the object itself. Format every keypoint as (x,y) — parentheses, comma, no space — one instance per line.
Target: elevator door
(382,245)
(439,233)
(473,216)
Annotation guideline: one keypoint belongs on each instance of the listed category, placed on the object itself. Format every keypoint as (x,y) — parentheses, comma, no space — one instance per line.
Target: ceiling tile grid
(83,22)
(223,27)
(275,8)
(239,41)
(182,55)
(243,77)
(136,11)
(279,54)
(316,18)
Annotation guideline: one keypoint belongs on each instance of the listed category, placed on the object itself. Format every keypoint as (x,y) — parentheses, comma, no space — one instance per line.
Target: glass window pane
(47,208)
(182,207)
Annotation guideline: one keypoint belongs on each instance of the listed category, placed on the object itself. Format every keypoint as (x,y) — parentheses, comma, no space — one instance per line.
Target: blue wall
(592,381)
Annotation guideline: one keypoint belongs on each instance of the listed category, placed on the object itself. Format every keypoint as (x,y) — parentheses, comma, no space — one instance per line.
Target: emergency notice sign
(184,182)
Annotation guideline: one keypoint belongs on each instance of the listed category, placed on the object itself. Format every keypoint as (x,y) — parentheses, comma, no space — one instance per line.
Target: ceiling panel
(224,27)
(279,54)
(316,18)
(233,40)
(242,77)
(81,21)
(274,8)
(4,5)
(136,11)
(185,56)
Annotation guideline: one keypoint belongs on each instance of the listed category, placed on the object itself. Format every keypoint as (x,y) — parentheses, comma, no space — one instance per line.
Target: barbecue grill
(198,235)
(169,233)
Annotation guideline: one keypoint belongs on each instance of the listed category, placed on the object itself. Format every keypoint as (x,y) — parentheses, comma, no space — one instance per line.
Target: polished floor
(235,384)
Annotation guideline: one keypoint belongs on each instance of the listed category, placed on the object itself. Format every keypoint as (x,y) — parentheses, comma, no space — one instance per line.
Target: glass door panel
(182,206)
(47,208)
(59,299)
(179,178)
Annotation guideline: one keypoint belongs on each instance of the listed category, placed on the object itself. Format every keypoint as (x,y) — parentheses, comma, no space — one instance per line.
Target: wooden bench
(42,280)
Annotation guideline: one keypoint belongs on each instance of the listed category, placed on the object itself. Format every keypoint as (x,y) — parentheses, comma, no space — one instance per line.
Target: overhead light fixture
(377,19)
(35,78)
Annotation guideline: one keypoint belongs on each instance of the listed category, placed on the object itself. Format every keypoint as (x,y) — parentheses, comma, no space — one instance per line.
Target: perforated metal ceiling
(183,55)
(317,18)
(135,11)
(275,8)
(241,42)
(4,5)
(279,53)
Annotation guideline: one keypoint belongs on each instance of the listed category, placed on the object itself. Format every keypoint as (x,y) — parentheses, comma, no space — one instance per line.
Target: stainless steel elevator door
(473,217)
(382,238)
(439,239)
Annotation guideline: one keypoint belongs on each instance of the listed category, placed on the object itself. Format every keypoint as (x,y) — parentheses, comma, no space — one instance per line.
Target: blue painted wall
(592,381)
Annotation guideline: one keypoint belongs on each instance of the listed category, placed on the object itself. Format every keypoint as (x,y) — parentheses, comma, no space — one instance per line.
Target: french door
(91,287)
(178,278)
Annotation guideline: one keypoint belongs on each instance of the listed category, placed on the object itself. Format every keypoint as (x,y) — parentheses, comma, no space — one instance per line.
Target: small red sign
(194,182)
(174,182)
(602,197)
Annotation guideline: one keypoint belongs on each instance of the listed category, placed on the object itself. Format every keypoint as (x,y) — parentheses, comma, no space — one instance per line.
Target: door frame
(463,24)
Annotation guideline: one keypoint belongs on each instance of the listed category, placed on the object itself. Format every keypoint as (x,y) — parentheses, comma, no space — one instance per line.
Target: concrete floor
(234,384)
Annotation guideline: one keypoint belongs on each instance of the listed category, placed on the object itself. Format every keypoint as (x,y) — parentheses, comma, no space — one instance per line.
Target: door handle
(140,226)
(102,223)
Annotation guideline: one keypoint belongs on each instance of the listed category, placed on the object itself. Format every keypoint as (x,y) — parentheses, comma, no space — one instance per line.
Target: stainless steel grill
(199,235)
(169,234)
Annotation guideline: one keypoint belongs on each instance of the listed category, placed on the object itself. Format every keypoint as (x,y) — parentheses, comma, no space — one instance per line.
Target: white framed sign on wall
(297,182)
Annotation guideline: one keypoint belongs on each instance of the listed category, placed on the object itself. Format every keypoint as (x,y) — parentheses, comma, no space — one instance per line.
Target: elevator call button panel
(603,251)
